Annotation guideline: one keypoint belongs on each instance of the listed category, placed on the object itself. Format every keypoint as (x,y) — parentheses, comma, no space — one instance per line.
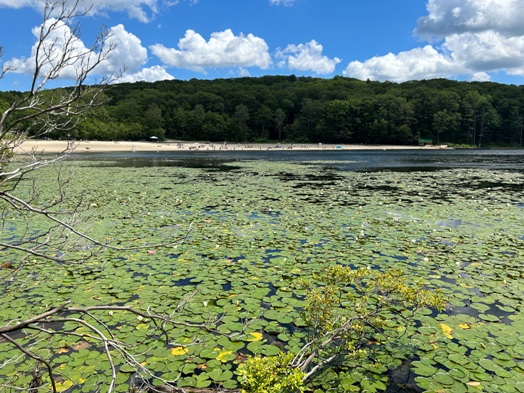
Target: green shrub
(272,374)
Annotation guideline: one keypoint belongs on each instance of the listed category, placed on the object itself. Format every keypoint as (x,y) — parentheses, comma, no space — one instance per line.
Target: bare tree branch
(46,230)
(32,356)
(64,313)
(35,114)
(57,50)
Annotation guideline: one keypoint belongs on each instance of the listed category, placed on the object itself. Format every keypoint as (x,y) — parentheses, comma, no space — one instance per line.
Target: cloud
(418,63)
(476,37)
(306,57)
(287,3)
(480,77)
(486,51)
(482,35)
(128,53)
(448,17)
(53,46)
(142,10)
(243,71)
(223,49)
(152,74)
(21,3)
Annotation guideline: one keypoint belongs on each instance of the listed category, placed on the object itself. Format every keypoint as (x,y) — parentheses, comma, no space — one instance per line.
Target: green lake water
(241,228)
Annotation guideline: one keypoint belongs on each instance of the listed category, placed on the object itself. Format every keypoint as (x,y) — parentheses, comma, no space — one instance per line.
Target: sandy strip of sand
(52,146)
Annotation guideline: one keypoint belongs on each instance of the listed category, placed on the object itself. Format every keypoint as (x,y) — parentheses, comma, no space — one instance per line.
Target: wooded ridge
(307,110)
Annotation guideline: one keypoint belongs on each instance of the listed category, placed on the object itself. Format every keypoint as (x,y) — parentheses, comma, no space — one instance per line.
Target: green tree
(446,123)
(153,121)
(179,126)
(262,121)
(338,121)
(474,106)
(306,123)
(196,121)
(126,111)
(280,117)
(352,317)
(514,122)
(240,119)
(215,127)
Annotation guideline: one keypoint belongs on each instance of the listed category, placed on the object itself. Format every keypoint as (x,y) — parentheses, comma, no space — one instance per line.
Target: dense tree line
(306,109)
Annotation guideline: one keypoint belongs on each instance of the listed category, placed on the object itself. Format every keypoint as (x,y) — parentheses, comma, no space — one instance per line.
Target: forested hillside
(305,109)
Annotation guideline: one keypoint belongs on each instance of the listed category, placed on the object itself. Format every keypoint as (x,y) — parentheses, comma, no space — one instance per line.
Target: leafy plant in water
(273,374)
(353,314)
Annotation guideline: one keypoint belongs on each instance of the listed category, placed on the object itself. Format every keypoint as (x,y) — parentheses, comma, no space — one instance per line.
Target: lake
(344,160)
(233,234)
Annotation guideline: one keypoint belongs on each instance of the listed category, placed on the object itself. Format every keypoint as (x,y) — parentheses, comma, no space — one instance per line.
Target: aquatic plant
(251,235)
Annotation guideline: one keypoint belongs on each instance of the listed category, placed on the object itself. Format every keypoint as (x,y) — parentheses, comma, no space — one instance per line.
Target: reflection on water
(344,160)
(449,223)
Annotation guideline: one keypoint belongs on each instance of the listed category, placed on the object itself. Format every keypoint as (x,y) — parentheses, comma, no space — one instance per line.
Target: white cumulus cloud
(475,37)
(447,17)
(223,49)
(487,51)
(152,74)
(306,57)
(480,77)
(51,52)
(142,10)
(128,53)
(418,63)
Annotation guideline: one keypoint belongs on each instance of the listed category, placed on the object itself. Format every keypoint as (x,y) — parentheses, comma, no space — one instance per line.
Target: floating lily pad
(443,378)
(489,317)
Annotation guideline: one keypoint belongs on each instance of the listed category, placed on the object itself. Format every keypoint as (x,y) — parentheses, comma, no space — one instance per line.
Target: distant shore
(52,146)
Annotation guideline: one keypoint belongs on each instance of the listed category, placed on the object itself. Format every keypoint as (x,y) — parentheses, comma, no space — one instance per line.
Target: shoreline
(32,146)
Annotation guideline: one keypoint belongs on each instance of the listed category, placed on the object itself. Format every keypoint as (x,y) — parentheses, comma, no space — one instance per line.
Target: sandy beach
(51,146)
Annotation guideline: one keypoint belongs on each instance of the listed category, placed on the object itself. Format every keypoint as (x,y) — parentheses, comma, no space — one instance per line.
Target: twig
(32,356)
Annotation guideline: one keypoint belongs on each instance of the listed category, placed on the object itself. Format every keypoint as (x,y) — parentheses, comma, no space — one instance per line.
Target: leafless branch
(102,334)
(57,50)
(32,356)
(35,114)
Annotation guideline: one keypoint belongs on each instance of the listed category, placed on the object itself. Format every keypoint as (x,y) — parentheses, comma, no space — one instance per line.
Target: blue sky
(480,40)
